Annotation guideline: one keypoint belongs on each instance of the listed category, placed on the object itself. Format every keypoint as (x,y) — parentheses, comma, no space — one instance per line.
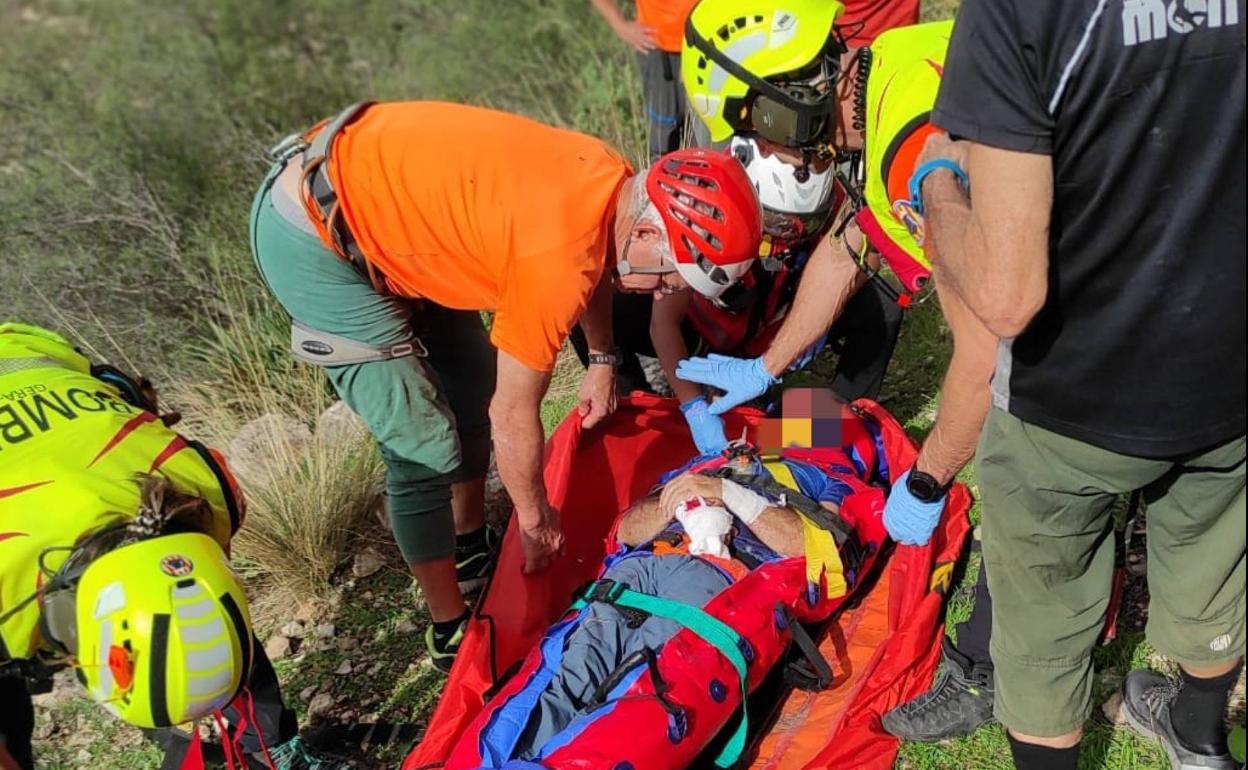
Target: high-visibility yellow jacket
(72,456)
(906,68)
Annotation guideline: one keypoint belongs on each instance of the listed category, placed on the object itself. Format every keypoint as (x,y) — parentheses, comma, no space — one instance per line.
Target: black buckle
(608,591)
(605,591)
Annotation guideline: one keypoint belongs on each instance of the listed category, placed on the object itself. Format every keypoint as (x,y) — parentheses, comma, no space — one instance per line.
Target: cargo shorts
(429,415)
(1048,504)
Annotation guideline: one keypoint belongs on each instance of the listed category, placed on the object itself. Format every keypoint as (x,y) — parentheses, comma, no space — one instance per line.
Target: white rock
(1112,709)
(367,562)
(262,449)
(324,630)
(277,647)
(339,426)
(306,693)
(293,629)
(405,626)
(344,668)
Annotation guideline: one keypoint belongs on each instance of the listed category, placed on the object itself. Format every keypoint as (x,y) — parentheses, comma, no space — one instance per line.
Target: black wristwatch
(924,487)
(606,359)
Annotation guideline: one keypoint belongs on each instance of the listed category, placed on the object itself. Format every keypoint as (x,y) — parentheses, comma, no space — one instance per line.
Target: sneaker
(1146,700)
(442,650)
(298,754)
(472,565)
(958,703)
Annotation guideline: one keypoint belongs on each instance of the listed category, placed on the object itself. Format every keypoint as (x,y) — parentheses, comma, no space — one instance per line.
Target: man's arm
(518,441)
(993,248)
(597,395)
(831,277)
(780,529)
(631,32)
(964,395)
(643,522)
(665,320)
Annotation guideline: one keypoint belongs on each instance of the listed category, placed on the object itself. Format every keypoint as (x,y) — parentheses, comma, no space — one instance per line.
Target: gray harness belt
(315,182)
(325,349)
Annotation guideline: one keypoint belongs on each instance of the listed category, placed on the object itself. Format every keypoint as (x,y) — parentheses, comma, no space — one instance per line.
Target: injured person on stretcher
(679,548)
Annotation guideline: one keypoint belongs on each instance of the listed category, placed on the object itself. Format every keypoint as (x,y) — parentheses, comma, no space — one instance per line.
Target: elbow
(1010,321)
(1008,314)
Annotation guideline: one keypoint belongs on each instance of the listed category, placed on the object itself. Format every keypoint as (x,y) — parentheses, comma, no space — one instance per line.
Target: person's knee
(420,510)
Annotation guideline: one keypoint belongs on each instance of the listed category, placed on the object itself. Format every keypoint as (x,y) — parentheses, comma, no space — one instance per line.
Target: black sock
(1198,712)
(471,541)
(445,629)
(1029,756)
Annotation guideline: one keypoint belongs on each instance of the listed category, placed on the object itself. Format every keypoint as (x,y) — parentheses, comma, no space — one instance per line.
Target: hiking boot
(1146,700)
(958,703)
(442,650)
(297,754)
(472,564)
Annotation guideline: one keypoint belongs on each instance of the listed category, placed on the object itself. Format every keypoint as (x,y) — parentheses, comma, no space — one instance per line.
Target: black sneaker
(958,703)
(442,650)
(472,564)
(1146,700)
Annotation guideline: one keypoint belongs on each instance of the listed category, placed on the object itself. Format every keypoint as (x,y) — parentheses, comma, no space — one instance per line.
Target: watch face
(923,486)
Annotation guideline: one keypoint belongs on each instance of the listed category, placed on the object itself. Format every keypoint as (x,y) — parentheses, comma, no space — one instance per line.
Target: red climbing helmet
(711,211)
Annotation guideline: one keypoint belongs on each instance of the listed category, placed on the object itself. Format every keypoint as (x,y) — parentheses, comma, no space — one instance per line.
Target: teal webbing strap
(711,630)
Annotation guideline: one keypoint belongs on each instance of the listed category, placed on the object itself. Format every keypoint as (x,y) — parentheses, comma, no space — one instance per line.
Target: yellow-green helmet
(160,628)
(748,65)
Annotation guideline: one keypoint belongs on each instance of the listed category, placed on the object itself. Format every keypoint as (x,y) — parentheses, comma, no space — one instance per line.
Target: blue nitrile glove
(707,428)
(741,379)
(908,520)
(810,353)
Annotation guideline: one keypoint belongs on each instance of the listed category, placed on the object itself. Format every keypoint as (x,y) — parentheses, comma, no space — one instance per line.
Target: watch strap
(603,359)
(922,172)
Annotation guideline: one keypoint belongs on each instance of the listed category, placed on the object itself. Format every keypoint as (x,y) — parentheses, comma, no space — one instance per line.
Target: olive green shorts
(429,416)
(1048,504)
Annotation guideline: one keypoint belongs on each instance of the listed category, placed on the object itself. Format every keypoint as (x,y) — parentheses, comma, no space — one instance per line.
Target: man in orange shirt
(656,35)
(385,232)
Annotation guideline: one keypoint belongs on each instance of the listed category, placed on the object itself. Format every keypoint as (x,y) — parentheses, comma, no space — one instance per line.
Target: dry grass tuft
(309,490)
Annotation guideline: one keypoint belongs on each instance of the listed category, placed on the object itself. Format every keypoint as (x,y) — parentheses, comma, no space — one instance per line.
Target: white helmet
(796,201)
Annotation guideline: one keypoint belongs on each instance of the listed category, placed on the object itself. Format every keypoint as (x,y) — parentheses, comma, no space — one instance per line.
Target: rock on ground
(261,449)
(367,563)
(320,705)
(338,425)
(277,647)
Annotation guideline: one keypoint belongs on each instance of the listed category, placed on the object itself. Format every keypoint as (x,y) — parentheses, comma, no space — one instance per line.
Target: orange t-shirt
(475,209)
(667,19)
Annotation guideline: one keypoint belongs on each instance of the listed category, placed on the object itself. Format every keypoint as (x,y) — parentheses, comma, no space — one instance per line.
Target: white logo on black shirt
(1147,20)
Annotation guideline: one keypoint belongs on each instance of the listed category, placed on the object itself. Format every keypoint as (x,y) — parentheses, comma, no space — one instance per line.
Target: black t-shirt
(1139,348)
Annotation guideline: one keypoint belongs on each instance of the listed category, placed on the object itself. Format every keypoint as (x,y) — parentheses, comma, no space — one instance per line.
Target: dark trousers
(17,716)
(267,717)
(864,337)
(975,632)
(665,101)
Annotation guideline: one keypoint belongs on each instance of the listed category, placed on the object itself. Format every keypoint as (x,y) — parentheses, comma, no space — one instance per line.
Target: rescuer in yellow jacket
(114,535)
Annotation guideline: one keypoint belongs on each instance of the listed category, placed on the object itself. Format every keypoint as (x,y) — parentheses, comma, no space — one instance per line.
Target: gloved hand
(908,520)
(815,349)
(707,428)
(741,379)
(706,525)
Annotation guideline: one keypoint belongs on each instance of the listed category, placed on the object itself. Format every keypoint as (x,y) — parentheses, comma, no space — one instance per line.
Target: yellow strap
(823,558)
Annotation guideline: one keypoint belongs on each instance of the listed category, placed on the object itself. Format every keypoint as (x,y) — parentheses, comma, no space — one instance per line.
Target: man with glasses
(385,231)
